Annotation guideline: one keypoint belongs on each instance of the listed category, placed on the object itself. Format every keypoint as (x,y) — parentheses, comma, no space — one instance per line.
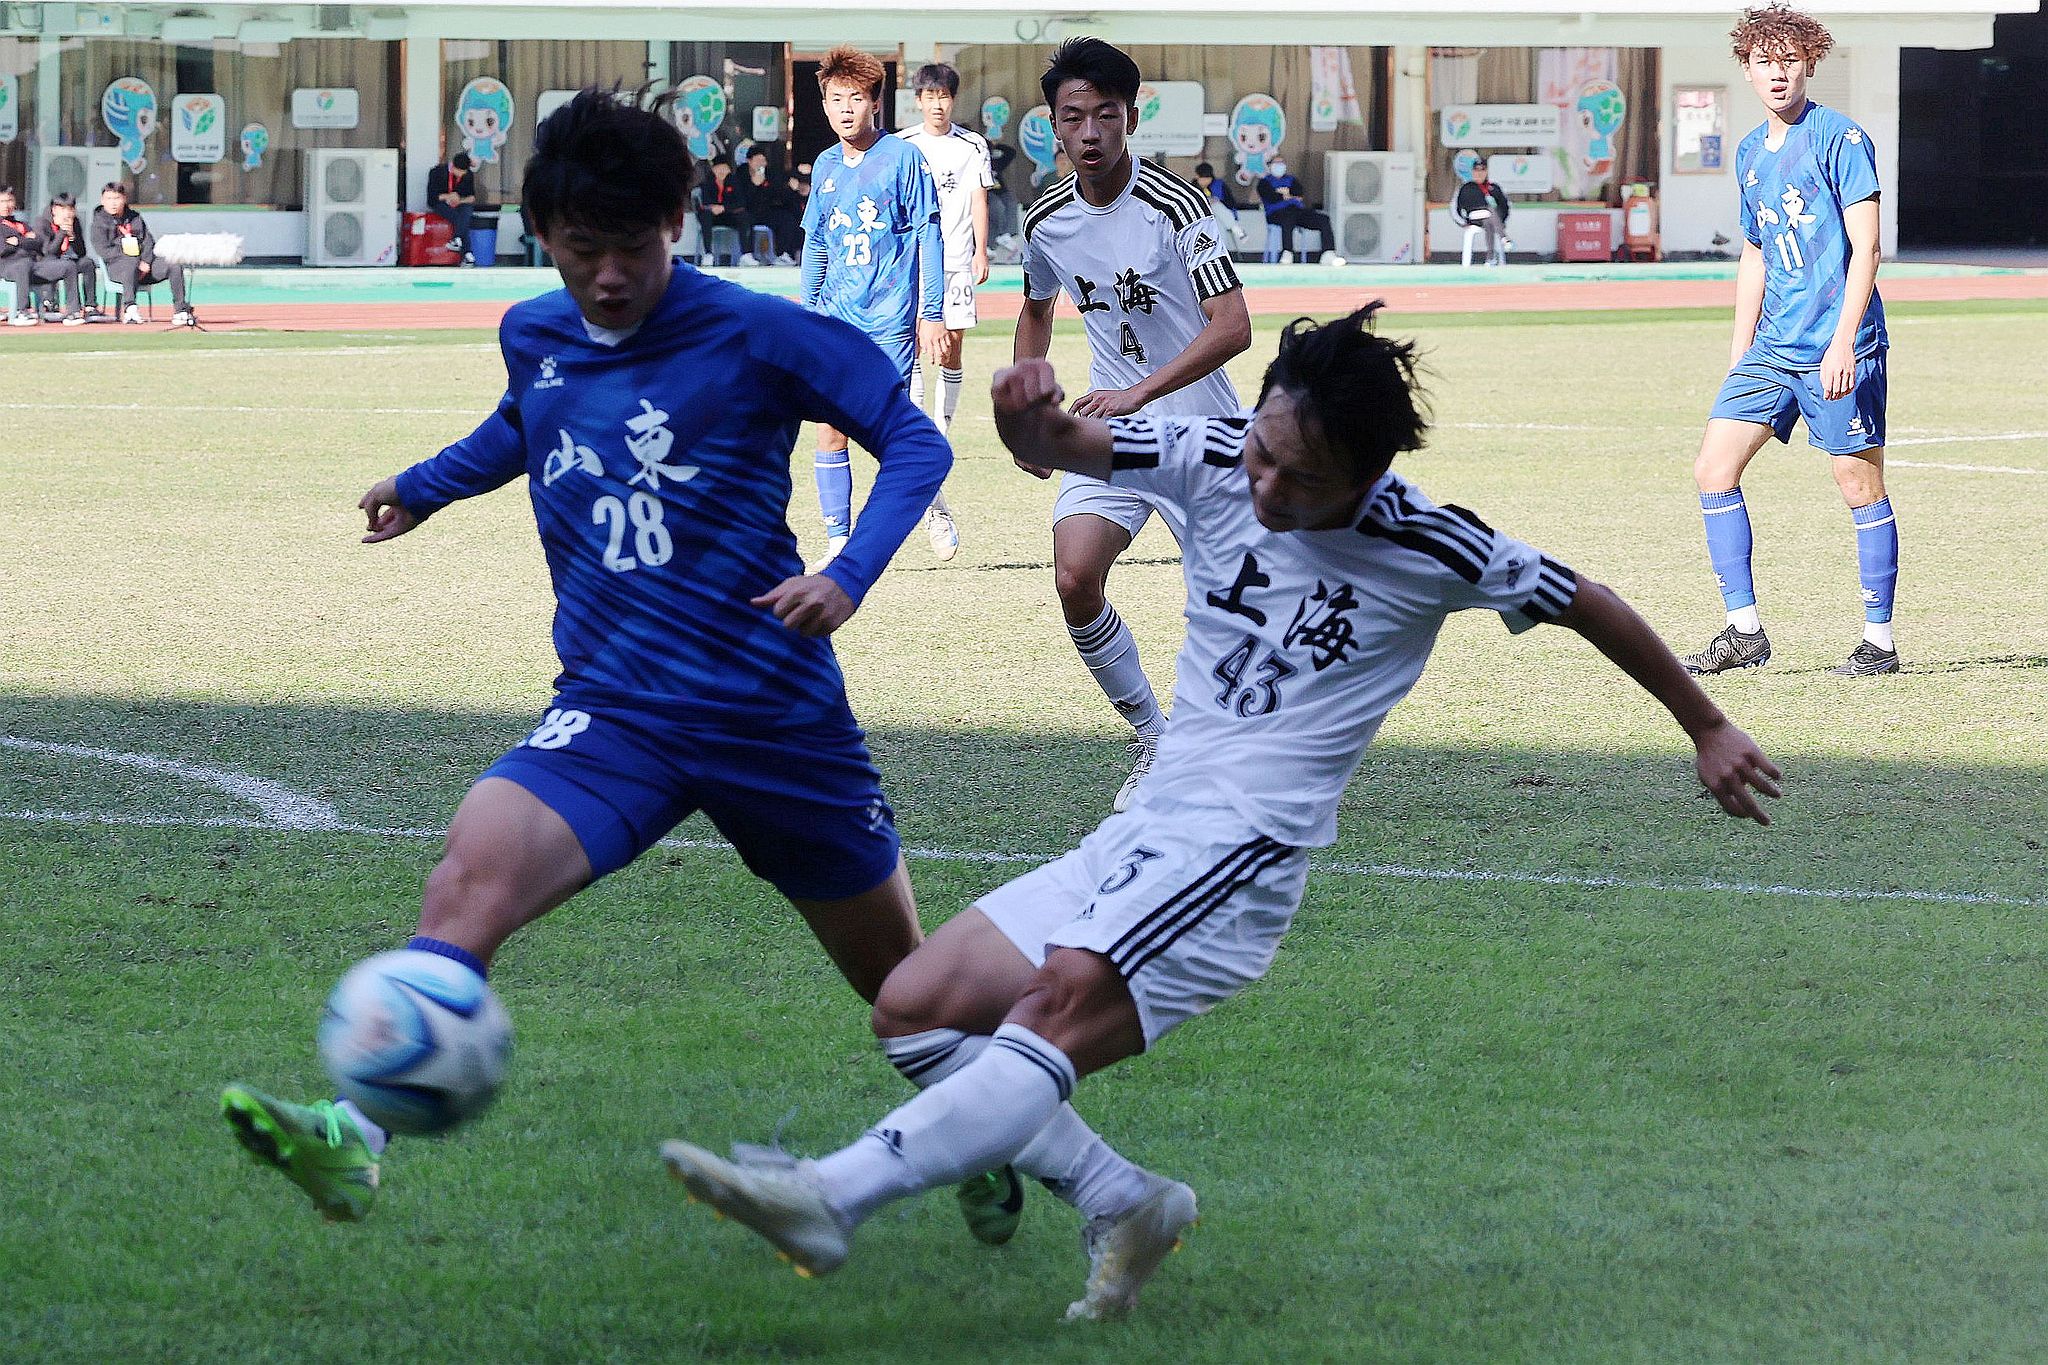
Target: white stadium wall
(1862,82)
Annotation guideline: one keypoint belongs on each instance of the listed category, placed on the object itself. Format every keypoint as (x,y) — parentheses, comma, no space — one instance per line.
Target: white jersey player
(1317,583)
(960,164)
(1137,252)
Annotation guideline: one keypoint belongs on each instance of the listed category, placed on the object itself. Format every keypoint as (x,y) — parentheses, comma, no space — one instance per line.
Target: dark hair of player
(1204,168)
(1108,69)
(1778,31)
(116,186)
(936,76)
(1356,390)
(460,161)
(6,189)
(60,199)
(608,161)
(850,66)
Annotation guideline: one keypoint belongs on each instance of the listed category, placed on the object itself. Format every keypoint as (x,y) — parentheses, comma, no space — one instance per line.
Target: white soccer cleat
(945,535)
(131,314)
(184,319)
(780,1202)
(832,549)
(1124,1252)
(1144,749)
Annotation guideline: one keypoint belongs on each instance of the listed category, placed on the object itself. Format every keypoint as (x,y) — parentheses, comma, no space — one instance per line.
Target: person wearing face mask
(64,257)
(1287,210)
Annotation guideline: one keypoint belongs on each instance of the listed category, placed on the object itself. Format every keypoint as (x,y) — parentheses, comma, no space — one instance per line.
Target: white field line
(242,407)
(1962,468)
(1369,871)
(281,806)
(268,352)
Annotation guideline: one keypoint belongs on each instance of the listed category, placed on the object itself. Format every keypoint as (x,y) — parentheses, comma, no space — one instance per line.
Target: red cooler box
(1585,237)
(424,239)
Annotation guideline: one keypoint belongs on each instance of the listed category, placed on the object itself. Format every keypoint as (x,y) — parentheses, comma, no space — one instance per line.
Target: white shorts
(1179,892)
(959,300)
(1081,493)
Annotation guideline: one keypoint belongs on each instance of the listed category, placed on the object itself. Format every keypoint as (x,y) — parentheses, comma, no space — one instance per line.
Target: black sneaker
(1867,661)
(1731,649)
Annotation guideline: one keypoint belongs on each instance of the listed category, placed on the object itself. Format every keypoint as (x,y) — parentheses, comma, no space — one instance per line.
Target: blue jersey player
(1809,337)
(873,254)
(652,411)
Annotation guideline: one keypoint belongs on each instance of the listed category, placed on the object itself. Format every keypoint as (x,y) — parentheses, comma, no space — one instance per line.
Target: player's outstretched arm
(1039,432)
(1226,335)
(488,458)
(1730,764)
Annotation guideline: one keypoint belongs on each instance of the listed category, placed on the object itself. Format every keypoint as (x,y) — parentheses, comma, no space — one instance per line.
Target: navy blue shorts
(804,807)
(1771,396)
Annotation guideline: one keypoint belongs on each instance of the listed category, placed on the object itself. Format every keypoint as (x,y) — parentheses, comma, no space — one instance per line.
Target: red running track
(1288,301)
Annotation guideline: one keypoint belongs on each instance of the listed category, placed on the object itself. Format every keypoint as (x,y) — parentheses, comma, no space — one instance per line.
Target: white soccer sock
(375,1136)
(949,383)
(1879,633)
(1068,1157)
(976,1119)
(1746,620)
(1111,653)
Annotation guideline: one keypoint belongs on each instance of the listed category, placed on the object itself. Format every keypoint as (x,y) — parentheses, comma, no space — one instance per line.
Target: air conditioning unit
(76,171)
(352,207)
(1372,205)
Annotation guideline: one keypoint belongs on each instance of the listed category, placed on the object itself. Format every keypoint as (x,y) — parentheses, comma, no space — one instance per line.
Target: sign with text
(1502,125)
(333,108)
(1169,119)
(199,129)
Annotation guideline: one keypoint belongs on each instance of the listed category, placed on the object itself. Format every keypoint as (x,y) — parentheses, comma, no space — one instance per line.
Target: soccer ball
(418,1041)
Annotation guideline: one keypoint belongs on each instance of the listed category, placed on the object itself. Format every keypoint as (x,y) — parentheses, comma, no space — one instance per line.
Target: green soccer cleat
(993,1205)
(317,1147)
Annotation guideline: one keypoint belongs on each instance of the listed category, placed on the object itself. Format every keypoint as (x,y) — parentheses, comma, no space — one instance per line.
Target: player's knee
(1080,587)
(919,994)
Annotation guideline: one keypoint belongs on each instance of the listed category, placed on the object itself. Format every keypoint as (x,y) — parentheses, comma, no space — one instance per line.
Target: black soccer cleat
(1867,661)
(1730,650)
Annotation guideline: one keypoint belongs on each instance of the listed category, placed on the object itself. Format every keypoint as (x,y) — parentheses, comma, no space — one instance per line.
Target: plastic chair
(725,246)
(762,245)
(1476,234)
(1300,251)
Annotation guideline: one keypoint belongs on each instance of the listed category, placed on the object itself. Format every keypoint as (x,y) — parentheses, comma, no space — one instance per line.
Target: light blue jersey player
(873,253)
(652,411)
(1809,341)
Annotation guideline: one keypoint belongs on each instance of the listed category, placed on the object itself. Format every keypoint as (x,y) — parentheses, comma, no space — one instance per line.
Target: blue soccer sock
(420,943)
(1877,564)
(1728,547)
(834,471)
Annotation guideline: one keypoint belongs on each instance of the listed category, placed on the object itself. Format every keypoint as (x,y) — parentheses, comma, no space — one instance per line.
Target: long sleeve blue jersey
(873,253)
(659,473)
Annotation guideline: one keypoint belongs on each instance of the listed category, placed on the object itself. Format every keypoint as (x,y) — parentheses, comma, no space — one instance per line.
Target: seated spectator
(124,242)
(451,193)
(1483,204)
(718,205)
(1222,204)
(65,258)
(769,203)
(1287,210)
(1003,214)
(20,248)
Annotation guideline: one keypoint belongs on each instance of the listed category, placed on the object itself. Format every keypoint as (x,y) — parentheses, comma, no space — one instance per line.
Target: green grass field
(1664,1087)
